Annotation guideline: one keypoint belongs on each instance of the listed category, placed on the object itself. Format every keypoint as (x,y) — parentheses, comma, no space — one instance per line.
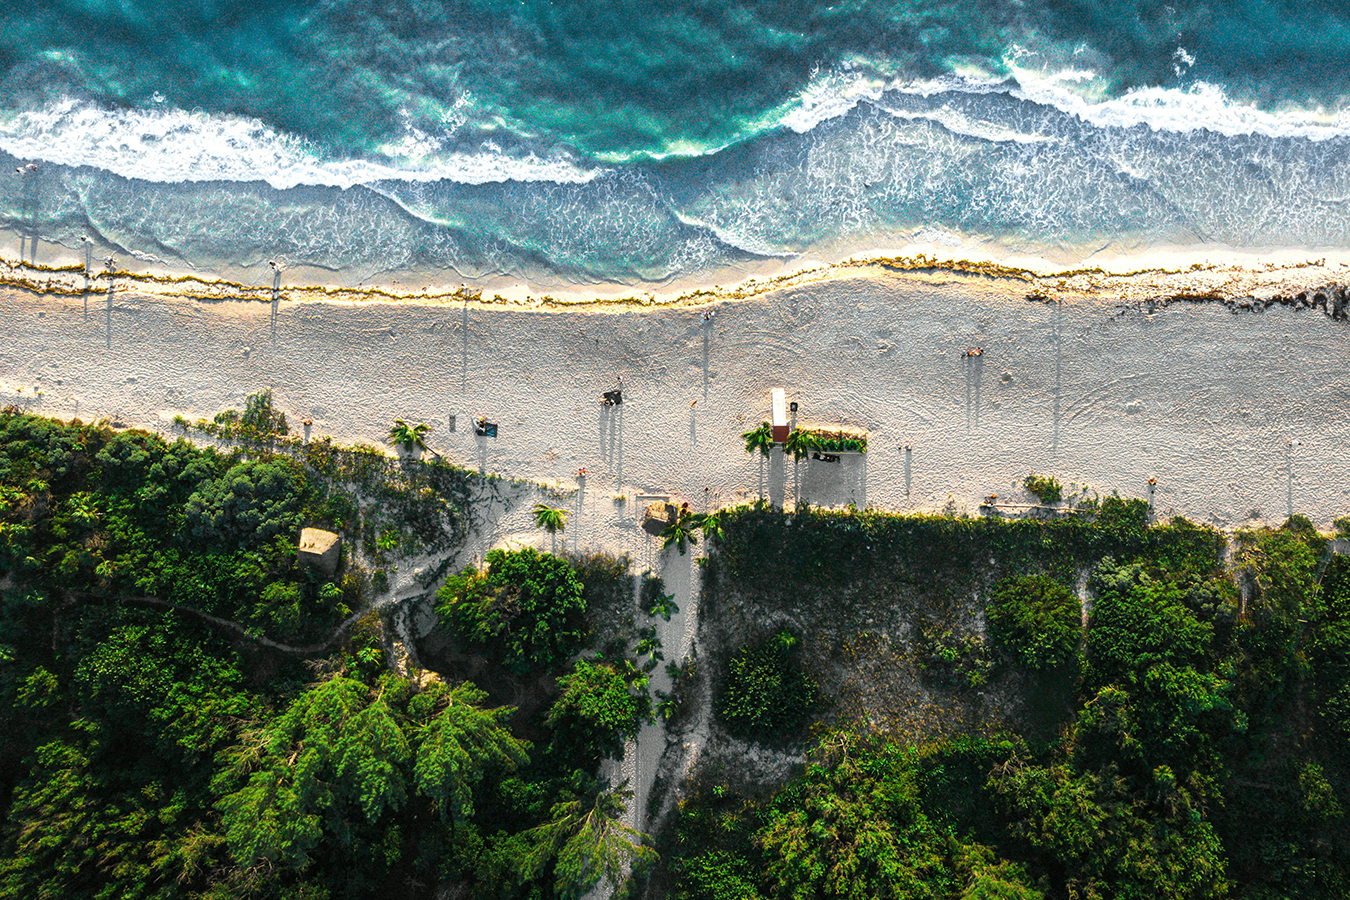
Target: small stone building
(319,551)
(658,516)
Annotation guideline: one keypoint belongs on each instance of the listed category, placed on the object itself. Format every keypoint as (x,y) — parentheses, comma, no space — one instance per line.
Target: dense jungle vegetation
(184,712)
(1184,733)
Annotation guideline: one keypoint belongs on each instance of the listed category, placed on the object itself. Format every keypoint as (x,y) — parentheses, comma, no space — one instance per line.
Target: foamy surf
(176,146)
(1042,160)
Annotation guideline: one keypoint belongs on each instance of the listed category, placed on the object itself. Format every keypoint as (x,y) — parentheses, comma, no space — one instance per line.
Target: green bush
(767,692)
(597,711)
(525,610)
(252,502)
(801,442)
(1046,488)
(1126,515)
(1037,620)
(260,421)
(951,659)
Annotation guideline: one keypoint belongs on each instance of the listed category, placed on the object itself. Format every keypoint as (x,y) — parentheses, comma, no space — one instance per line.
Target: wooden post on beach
(88,270)
(276,296)
(107,329)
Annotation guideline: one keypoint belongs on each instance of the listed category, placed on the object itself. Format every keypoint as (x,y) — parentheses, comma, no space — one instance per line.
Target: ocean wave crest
(173,146)
(1077,92)
(1200,106)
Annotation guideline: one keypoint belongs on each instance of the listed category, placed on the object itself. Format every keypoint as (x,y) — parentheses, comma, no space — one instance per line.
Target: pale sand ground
(1199,397)
(1203,399)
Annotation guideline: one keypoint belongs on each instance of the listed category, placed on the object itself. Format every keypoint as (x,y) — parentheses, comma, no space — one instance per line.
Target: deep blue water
(587,141)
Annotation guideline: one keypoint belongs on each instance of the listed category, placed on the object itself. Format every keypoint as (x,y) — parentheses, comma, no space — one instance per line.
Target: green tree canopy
(525,610)
(1037,620)
(853,827)
(336,755)
(456,740)
(342,755)
(251,503)
(1111,842)
(585,840)
(598,709)
(1139,620)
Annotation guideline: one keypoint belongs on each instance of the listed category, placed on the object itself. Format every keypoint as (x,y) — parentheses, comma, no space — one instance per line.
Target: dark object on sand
(484,428)
(611,398)
(658,517)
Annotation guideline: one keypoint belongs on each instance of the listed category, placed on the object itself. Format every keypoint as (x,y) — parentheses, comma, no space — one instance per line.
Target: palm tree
(552,519)
(409,437)
(680,532)
(666,706)
(586,841)
(760,439)
(800,443)
(710,524)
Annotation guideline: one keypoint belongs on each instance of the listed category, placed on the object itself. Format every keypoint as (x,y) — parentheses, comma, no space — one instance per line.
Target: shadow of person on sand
(611,439)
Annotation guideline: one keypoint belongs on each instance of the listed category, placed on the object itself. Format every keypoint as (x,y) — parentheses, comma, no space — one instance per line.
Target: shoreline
(1155,275)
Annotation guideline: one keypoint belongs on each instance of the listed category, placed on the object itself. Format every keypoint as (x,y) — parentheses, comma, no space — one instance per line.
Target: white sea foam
(1075,91)
(958,122)
(830,96)
(1198,107)
(732,239)
(171,146)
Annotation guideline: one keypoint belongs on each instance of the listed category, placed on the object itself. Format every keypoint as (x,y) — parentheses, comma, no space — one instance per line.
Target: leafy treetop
(526,609)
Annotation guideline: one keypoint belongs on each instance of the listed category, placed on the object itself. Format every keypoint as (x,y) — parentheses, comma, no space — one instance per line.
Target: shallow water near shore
(582,143)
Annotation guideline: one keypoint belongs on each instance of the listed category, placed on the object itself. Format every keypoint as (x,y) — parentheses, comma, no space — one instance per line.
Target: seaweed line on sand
(1154,287)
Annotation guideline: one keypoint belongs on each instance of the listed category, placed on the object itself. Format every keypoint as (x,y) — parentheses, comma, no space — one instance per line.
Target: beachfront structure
(319,551)
(778,402)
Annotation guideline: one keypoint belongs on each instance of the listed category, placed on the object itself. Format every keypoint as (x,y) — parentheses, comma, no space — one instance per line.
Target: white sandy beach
(1204,399)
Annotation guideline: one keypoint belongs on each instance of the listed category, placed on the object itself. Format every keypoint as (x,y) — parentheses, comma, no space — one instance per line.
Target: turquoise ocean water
(586,141)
